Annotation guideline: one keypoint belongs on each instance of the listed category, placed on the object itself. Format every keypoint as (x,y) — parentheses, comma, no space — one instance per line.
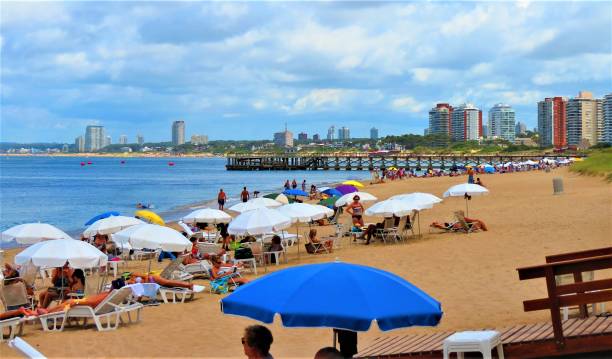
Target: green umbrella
(272,195)
(329,202)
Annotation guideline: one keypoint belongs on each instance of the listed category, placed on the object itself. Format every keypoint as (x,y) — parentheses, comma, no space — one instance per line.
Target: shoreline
(116,155)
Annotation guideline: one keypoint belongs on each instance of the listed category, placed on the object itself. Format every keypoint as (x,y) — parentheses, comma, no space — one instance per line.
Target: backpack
(243,253)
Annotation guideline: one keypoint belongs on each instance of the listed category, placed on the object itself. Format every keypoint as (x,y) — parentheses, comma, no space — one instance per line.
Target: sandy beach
(473,276)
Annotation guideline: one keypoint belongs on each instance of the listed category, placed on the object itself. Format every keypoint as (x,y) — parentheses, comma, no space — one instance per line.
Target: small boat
(171,164)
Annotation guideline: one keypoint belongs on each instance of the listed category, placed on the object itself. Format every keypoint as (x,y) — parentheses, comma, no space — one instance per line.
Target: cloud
(407,103)
(319,99)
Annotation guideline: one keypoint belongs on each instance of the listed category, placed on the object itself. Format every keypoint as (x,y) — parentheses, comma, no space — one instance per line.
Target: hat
(356,198)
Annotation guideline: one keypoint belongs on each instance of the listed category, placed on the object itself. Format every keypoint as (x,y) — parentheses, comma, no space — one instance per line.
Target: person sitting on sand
(328,243)
(60,278)
(221,270)
(479,182)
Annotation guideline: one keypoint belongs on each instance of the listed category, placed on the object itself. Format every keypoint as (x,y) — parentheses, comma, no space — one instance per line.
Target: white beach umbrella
(255,203)
(282,199)
(153,236)
(424,200)
(208,215)
(259,221)
(30,233)
(392,207)
(530,163)
(348,198)
(56,253)
(304,212)
(111,225)
(465,190)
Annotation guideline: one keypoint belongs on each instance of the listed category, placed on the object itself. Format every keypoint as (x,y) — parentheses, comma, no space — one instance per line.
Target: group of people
(294,185)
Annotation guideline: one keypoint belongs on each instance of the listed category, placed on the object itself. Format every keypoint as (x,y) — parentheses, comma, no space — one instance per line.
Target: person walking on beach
(256,342)
(221,197)
(244,195)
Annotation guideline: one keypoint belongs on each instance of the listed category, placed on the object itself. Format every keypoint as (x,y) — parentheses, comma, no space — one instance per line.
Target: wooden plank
(570,325)
(509,332)
(378,344)
(566,267)
(607,326)
(548,348)
(545,334)
(577,330)
(404,342)
(431,341)
(568,300)
(542,329)
(523,335)
(592,329)
(390,346)
(412,345)
(518,333)
(589,286)
(579,255)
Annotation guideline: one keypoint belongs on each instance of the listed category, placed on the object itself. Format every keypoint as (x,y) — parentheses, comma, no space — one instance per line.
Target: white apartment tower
(95,138)
(584,116)
(502,122)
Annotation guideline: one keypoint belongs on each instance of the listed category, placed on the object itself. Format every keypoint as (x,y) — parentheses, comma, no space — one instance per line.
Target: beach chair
(264,257)
(144,254)
(336,217)
(208,248)
(106,315)
(316,247)
(176,295)
(465,225)
(15,327)
(200,269)
(173,271)
(15,295)
(389,230)
(402,228)
(186,229)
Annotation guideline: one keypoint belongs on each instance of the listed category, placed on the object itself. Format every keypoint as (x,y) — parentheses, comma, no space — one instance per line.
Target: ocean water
(59,191)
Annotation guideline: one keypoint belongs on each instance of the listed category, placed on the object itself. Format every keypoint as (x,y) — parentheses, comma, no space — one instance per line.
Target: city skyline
(310,65)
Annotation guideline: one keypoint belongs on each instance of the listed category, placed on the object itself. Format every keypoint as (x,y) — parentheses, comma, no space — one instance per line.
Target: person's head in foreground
(256,341)
(356,199)
(328,353)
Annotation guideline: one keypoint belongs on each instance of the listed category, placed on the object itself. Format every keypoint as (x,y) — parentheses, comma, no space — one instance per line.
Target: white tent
(30,233)
(424,200)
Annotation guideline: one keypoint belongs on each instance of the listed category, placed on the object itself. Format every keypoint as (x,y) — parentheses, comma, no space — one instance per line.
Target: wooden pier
(366,161)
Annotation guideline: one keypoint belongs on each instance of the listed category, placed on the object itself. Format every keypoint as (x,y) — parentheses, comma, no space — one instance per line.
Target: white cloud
(259,104)
(576,69)
(521,97)
(421,74)
(319,99)
(465,22)
(29,13)
(76,63)
(407,103)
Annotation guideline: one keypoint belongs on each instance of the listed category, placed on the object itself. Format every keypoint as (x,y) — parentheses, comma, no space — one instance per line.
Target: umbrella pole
(419,221)
(297,238)
(466,207)
(335,339)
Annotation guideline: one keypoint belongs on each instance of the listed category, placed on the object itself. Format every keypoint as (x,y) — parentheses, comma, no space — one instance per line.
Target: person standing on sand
(470,173)
(244,195)
(221,197)
(256,342)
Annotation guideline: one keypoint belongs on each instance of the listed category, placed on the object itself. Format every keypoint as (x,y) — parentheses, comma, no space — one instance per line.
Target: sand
(473,276)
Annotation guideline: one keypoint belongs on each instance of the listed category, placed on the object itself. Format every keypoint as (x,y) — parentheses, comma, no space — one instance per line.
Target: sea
(68,191)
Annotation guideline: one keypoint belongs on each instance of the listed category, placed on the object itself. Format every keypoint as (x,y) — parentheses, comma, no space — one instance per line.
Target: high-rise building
(520,129)
(79,144)
(485,131)
(284,139)
(584,119)
(199,140)
(65,148)
(178,133)
(374,134)
(607,118)
(466,123)
(440,119)
(140,139)
(108,141)
(502,122)
(316,137)
(552,122)
(302,136)
(95,138)
(123,140)
(344,134)
(425,131)
(331,133)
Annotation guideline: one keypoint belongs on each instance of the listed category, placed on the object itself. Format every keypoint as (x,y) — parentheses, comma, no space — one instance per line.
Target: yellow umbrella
(393,168)
(150,216)
(353,183)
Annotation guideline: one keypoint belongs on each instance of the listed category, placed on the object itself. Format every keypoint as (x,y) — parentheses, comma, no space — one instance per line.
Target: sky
(234,70)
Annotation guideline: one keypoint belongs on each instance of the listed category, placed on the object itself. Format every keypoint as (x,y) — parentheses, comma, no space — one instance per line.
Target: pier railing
(369,161)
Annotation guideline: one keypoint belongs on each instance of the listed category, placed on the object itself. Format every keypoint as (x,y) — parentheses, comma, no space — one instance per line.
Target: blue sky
(241,70)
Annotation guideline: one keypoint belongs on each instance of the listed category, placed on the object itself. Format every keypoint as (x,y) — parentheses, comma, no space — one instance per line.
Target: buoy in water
(82,163)
(88,162)
(170,163)
(122,162)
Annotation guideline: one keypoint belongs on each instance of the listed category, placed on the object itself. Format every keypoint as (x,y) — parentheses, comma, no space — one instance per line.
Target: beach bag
(243,253)
(118,283)
(234,245)
(310,248)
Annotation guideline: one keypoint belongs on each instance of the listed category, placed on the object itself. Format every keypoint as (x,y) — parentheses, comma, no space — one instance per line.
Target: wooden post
(555,313)
(583,308)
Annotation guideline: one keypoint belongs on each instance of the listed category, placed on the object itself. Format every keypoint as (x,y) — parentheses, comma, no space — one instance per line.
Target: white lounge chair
(106,315)
(15,325)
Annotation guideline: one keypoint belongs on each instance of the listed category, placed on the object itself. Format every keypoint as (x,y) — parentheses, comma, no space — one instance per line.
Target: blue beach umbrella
(347,296)
(333,192)
(295,192)
(101,216)
(489,168)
